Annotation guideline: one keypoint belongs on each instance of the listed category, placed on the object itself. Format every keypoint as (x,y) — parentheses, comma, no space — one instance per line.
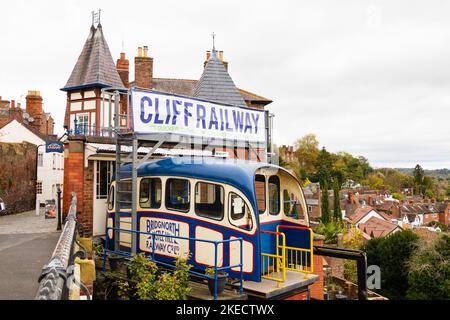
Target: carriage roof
(237,173)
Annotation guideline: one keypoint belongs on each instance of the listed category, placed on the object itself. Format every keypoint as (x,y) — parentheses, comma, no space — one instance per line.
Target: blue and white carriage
(225,213)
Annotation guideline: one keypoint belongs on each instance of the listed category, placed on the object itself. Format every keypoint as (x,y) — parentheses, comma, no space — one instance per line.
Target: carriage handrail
(294,251)
(279,259)
(202,275)
(57,272)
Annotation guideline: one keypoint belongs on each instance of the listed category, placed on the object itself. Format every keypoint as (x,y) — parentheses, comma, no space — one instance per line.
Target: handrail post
(105,249)
(241,289)
(215,270)
(153,246)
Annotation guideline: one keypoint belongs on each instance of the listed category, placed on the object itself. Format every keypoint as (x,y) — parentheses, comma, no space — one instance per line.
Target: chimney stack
(143,69)
(34,103)
(123,68)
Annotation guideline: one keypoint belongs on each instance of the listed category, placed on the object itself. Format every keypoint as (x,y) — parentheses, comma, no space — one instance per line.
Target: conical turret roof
(95,66)
(216,84)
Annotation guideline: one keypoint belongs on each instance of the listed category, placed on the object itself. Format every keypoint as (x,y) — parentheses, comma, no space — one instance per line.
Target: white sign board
(164,230)
(157,112)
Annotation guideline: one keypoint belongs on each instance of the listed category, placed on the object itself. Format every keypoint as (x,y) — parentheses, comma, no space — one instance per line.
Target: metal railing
(57,273)
(274,265)
(299,259)
(154,254)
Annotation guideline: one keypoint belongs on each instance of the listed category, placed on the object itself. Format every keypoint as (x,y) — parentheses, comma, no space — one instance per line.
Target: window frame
(111,197)
(223,202)
(167,195)
(279,195)
(140,188)
(265,193)
(39,187)
(229,206)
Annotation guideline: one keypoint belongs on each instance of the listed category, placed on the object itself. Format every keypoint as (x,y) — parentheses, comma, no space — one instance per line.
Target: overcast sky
(368,77)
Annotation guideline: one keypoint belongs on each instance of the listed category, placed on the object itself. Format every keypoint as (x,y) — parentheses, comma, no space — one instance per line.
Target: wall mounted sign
(54,146)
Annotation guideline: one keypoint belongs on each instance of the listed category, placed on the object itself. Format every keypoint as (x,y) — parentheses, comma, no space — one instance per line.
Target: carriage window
(177,194)
(150,193)
(240,215)
(260,188)
(292,207)
(124,194)
(274,195)
(111,198)
(209,200)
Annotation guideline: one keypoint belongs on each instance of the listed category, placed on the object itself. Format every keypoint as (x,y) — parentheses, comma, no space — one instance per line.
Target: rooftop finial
(214,41)
(96,17)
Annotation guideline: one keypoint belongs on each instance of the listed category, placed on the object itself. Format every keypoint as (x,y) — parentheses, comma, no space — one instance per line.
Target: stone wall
(18,176)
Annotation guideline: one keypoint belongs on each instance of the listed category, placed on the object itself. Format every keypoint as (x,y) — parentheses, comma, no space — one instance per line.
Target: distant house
(389,207)
(312,196)
(50,166)
(363,214)
(375,228)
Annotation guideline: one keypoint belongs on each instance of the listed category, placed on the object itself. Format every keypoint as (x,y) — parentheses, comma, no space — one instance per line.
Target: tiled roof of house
(376,227)
(95,65)
(216,84)
(363,211)
(386,205)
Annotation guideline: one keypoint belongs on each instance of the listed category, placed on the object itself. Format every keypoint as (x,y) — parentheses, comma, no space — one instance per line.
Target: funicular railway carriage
(183,200)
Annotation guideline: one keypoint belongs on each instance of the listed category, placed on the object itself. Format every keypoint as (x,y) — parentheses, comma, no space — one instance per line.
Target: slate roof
(216,84)
(187,87)
(95,66)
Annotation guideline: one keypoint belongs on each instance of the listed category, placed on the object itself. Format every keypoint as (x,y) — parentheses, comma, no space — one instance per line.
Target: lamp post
(59,227)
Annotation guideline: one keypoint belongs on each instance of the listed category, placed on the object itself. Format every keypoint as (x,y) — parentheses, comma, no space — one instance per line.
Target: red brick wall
(87,215)
(430,217)
(444,216)
(316,290)
(18,176)
(73,174)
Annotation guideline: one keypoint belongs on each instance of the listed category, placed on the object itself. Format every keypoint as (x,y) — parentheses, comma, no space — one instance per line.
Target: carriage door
(209,204)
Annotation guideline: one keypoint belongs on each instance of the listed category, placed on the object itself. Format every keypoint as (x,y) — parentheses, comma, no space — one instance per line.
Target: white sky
(368,77)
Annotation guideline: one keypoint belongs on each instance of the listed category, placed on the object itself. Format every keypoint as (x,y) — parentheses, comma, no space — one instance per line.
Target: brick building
(33,114)
(287,153)
(18,174)
(90,153)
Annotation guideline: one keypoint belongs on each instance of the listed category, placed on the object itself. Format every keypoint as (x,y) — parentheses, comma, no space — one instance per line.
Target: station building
(90,149)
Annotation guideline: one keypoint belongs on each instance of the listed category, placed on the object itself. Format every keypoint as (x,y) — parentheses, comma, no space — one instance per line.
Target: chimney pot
(145,51)
(122,56)
(221,55)
(13,104)
(208,55)
(139,51)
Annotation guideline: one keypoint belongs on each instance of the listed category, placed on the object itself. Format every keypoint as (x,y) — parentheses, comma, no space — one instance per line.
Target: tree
(375,180)
(418,179)
(392,254)
(337,203)
(307,150)
(324,163)
(353,239)
(325,205)
(429,270)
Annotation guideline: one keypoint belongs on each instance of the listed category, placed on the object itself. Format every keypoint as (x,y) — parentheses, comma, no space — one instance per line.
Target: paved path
(27,242)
